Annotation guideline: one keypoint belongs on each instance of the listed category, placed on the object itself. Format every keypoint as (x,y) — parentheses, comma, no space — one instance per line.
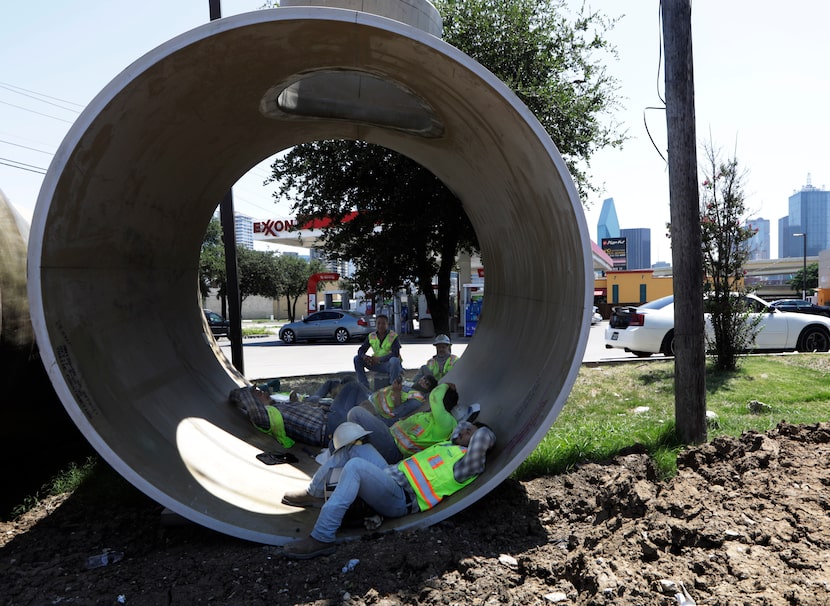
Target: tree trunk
(687,258)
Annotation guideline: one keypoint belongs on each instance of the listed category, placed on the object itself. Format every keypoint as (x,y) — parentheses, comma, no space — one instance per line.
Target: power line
(28,167)
(16,89)
(26,109)
(69,109)
(27,147)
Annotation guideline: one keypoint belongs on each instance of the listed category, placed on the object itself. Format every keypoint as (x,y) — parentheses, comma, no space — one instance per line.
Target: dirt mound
(745,521)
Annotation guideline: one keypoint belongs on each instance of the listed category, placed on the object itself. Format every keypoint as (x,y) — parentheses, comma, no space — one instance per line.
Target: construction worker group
(396,450)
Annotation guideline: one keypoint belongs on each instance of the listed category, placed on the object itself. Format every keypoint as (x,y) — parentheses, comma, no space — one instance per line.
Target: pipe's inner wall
(115,241)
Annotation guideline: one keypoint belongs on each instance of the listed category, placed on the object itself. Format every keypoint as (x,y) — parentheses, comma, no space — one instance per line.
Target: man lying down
(417,483)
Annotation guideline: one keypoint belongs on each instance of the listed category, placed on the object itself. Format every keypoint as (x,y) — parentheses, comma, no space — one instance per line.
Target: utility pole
(231,267)
(687,256)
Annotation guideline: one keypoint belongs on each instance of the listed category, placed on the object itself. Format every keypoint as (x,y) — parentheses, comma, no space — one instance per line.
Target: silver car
(338,325)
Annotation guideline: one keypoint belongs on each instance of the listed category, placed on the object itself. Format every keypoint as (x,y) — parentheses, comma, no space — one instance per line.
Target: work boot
(301,498)
(293,396)
(305,549)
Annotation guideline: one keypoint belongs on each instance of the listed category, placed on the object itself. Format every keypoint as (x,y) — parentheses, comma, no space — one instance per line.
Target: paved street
(268,357)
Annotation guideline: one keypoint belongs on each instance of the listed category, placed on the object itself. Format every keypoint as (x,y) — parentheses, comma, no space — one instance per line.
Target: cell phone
(275,458)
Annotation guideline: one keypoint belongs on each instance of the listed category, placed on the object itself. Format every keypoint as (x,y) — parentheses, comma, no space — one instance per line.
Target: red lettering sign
(273,227)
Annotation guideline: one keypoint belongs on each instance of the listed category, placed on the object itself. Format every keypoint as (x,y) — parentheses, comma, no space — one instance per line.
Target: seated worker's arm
(364,347)
(472,463)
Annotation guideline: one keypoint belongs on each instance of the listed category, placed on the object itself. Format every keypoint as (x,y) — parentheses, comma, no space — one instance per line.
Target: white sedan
(649,328)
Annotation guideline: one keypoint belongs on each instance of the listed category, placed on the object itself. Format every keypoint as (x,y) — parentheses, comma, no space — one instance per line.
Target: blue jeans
(364,479)
(351,395)
(380,438)
(317,486)
(392,366)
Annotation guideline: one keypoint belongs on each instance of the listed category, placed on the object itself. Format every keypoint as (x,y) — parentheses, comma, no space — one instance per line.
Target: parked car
(801,306)
(338,325)
(596,318)
(649,328)
(219,326)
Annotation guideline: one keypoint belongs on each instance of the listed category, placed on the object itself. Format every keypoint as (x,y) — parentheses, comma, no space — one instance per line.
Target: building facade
(244,230)
(608,226)
(759,244)
(809,213)
(638,247)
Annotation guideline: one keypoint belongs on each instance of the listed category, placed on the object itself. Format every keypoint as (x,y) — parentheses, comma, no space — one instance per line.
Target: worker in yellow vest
(432,423)
(416,484)
(441,363)
(386,353)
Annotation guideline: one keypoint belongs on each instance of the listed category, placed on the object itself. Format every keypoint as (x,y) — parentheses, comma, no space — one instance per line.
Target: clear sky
(761,90)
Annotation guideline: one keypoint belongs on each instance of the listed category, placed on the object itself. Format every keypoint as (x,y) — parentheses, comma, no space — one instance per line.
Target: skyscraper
(759,244)
(608,226)
(638,244)
(809,214)
(244,230)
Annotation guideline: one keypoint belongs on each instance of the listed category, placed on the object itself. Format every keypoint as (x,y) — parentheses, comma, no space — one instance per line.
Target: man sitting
(441,363)
(416,484)
(386,353)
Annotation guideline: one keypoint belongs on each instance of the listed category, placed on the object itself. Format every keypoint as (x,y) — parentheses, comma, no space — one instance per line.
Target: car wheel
(288,336)
(341,335)
(814,338)
(642,354)
(667,347)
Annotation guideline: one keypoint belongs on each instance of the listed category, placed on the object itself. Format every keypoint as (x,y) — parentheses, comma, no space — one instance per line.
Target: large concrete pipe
(115,240)
(17,337)
(30,412)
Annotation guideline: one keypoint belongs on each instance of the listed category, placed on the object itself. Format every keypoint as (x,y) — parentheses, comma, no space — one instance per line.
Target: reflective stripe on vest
(385,348)
(430,473)
(437,371)
(406,445)
(384,403)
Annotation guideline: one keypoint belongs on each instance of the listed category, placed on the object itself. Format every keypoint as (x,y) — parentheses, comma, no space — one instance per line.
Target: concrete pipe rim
(123,209)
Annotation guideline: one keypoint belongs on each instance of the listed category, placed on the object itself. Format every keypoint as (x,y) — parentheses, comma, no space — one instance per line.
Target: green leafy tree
(552,62)
(797,281)
(725,252)
(294,273)
(259,273)
(212,263)
(409,226)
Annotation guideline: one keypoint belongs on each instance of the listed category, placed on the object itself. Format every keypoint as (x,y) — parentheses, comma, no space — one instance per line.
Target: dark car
(219,326)
(801,306)
(338,325)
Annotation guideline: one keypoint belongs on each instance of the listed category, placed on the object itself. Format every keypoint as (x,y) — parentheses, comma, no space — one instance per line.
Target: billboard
(616,249)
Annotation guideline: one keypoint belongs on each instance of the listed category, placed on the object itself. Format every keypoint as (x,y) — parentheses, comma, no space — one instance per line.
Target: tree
(212,263)
(552,65)
(259,273)
(294,273)
(410,227)
(725,252)
(797,281)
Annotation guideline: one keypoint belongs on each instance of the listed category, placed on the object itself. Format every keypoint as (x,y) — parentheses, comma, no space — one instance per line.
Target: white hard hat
(347,433)
(442,339)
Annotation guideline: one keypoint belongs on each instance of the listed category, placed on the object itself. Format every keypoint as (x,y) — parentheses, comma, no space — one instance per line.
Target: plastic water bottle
(103,559)
(350,565)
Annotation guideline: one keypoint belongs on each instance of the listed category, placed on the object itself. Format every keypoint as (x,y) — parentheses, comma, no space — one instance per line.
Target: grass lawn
(606,409)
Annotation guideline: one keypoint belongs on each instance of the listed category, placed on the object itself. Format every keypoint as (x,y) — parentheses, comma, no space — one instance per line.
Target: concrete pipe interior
(114,248)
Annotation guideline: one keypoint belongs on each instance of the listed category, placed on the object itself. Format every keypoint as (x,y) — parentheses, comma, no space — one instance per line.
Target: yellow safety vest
(384,404)
(430,473)
(385,348)
(437,370)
